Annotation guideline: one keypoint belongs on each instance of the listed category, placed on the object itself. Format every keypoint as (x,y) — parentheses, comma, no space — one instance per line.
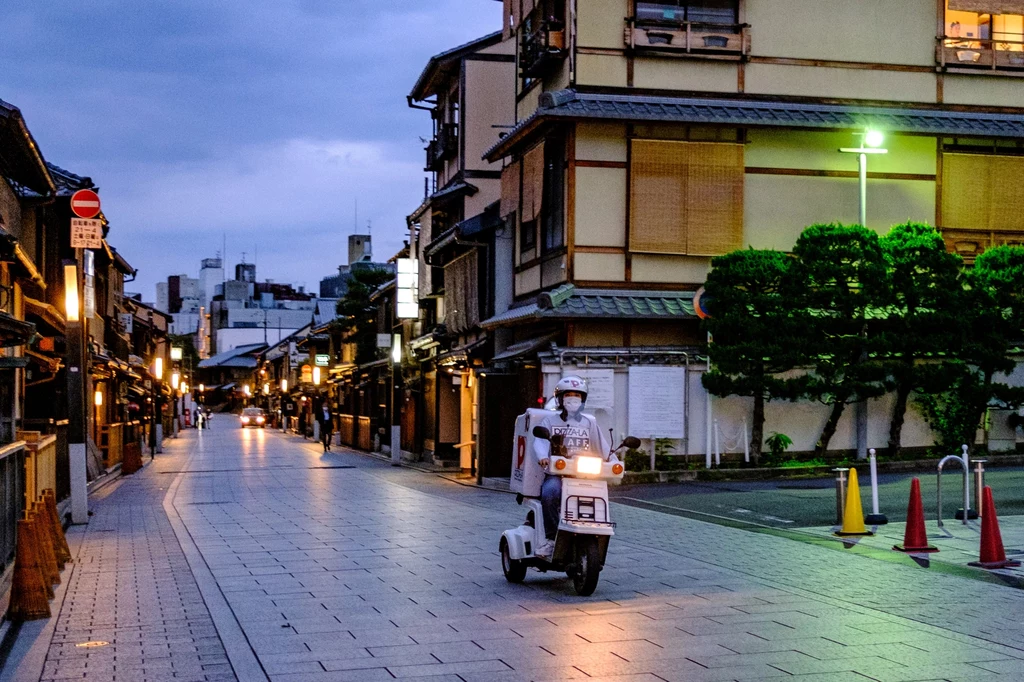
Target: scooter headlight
(559,464)
(588,465)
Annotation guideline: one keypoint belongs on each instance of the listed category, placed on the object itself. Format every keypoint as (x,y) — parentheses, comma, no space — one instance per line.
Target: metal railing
(12,497)
(542,48)
(992,54)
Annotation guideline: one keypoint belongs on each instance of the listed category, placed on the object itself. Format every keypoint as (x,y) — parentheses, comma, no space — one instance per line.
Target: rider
(580,435)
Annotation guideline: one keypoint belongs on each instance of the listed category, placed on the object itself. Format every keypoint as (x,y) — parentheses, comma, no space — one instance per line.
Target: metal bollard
(840,493)
(979,481)
(875,518)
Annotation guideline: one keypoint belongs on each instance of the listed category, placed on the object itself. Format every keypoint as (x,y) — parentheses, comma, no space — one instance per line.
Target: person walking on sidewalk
(326,420)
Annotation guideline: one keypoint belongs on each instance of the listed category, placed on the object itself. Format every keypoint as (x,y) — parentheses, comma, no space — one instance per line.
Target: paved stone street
(276,561)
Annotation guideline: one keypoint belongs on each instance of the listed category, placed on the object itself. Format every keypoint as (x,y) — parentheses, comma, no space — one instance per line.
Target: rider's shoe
(546,549)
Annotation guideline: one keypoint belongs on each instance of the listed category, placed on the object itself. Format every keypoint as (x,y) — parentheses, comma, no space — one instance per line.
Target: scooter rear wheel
(588,566)
(514,569)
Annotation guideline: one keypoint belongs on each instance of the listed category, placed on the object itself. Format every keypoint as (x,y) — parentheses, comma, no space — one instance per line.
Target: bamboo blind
(461,293)
(533,182)
(686,197)
(980,191)
(988,6)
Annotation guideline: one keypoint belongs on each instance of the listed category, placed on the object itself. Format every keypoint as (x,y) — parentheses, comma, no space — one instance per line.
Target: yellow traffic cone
(28,591)
(853,514)
(60,543)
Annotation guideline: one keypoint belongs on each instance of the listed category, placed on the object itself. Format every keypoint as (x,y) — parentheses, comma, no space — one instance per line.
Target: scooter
(584,527)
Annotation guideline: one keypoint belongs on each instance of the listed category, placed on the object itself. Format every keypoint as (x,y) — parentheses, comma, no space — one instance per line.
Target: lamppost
(77,469)
(871,143)
(396,423)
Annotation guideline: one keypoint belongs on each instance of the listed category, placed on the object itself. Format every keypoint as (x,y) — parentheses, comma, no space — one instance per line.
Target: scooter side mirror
(541,432)
(631,442)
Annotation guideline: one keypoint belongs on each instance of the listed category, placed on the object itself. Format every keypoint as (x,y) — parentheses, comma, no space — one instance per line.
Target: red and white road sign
(85,203)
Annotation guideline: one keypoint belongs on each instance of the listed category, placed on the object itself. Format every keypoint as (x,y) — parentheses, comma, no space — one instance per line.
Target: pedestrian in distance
(326,420)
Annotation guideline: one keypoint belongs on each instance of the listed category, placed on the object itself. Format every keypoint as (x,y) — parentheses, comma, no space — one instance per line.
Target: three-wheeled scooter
(584,526)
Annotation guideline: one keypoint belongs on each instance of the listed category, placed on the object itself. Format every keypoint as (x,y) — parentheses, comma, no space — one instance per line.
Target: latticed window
(685,197)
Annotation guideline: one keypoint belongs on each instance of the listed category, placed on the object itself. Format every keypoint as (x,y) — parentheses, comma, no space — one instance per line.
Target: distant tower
(359,248)
(211,273)
(245,272)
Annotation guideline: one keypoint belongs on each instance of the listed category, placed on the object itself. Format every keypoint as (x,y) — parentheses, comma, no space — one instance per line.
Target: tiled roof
(760,113)
(240,356)
(20,159)
(568,302)
(435,69)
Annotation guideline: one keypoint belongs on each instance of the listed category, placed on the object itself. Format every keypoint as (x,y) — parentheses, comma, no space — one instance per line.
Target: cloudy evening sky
(261,120)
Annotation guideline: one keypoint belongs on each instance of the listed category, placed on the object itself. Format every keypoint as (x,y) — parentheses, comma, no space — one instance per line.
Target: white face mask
(572,404)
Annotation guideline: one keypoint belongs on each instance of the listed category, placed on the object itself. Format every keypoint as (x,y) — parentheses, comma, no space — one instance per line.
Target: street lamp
(871,143)
(316,375)
(176,353)
(175,380)
(71,302)
(284,385)
(158,368)
(266,389)
(396,425)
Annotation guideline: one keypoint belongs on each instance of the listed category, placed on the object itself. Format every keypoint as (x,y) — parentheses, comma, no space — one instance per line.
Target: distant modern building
(360,255)
(245,272)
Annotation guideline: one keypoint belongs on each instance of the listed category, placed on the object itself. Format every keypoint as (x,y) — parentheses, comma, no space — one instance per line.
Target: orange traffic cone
(992,553)
(60,543)
(853,513)
(48,560)
(915,539)
(28,590)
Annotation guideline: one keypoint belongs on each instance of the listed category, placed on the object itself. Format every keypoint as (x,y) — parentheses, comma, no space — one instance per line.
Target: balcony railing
(969,243)
(542,49)
(688,37)
(993,55)
(443,147)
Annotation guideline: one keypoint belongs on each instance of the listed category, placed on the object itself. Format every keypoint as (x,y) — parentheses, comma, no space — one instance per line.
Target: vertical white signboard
(600,387)
(656,402)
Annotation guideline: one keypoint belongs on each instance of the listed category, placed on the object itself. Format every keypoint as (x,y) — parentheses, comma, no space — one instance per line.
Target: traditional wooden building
(463,254)
(649,136)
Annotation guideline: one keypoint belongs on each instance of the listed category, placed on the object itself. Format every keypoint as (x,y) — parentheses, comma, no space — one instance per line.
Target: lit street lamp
(871,143)
(77,418)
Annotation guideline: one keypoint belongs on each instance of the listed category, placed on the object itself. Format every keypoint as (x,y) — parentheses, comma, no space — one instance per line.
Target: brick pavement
(369,573)
(338,567)
(130,586)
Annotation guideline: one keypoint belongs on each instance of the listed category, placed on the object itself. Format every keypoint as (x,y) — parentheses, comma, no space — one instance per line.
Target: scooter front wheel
(514,569)
(588,566)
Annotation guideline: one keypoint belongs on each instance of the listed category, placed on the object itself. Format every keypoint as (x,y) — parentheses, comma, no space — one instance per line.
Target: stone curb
(766,473)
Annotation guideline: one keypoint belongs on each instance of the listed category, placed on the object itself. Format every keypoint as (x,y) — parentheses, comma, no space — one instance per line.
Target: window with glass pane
(700,11)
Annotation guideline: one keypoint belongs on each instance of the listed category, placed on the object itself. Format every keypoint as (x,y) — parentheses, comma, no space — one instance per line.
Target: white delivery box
(527,476)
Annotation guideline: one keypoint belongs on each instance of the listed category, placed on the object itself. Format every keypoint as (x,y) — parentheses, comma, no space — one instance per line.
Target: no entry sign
(85,203)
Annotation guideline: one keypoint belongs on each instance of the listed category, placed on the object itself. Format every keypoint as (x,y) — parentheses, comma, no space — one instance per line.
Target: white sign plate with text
(86,233)
(656,402)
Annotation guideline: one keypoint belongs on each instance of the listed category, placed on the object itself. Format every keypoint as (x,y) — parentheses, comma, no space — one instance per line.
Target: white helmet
(570,384)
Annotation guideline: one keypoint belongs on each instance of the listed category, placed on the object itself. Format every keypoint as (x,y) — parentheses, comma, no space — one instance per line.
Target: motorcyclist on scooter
(579,434)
